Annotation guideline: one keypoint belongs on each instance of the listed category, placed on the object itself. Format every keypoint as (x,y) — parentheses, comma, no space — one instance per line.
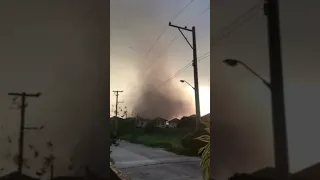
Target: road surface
(145,163)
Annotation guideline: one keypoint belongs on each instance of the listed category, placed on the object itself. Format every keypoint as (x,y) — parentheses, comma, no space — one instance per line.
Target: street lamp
(183,81)
(278,120)
(197,103)
(235,62)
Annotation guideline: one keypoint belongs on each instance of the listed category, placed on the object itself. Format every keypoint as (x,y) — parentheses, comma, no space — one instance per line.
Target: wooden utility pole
(52,171)
(271,8)
(23,106)
(116,93)
(195,68)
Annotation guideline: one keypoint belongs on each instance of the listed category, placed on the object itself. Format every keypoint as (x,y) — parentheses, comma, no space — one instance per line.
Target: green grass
(170,142)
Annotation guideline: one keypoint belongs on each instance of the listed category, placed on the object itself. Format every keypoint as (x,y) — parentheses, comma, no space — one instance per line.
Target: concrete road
(145,163)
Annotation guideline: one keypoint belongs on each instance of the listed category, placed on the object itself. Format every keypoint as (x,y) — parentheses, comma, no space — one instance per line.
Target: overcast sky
(135,27)
(300,45)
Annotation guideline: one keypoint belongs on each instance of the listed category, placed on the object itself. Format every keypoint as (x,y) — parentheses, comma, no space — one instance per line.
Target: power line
(205,10)
(155,41)
(243,15)
(175,38)
(165,29)
(171,42)
(206,55)
(185,7)
(248,15)
(236,23)
(182,70)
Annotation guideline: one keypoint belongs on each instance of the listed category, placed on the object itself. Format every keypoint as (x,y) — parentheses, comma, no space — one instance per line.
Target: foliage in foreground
(205,153)
(179,140)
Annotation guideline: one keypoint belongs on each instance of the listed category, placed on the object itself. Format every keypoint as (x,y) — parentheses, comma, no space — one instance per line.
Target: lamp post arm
(189,84)
(256,74)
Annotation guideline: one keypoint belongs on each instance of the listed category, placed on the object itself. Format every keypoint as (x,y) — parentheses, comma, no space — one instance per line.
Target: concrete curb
(154,162)
(120,176)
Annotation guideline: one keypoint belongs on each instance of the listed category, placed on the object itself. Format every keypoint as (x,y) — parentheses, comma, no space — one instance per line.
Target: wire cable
(176,38)
(231,28)
(248,15)
(165,29)
(238,22)
(185,7)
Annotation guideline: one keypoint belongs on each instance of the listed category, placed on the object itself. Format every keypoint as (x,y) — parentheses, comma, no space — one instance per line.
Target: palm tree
(205,152)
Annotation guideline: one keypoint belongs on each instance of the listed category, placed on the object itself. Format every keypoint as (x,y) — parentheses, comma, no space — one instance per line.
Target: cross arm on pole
(183,28)
(14,94)
(34,95)
(34,128)
(24,94)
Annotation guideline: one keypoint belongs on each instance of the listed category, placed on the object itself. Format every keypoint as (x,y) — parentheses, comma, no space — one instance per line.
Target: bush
(178,150)
(150,127)
(126,126)
(191,144)
(187,122)
(113,139)
(205,152)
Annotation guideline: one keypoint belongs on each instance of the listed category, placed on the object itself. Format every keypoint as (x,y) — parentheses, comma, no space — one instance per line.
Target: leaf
(204,138)
(205,153)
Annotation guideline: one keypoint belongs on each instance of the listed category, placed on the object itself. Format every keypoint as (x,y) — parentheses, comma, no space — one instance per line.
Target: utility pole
(271,8)
(23,106)
(52,171)
(117,102)
(195,68)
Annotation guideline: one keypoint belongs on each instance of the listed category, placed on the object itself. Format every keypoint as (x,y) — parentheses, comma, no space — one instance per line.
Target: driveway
(146,163)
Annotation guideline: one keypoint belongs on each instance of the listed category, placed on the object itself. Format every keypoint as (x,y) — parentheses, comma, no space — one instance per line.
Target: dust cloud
(158,96)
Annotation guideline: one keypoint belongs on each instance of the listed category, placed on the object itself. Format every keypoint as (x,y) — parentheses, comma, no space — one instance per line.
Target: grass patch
(171,143)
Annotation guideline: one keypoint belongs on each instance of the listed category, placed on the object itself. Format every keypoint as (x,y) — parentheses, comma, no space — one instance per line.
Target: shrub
(205,153)
(126,126)
(187,122)
(190,142)
(150,127)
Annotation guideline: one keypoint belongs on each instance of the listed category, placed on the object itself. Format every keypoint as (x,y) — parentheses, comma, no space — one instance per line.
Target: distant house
(173,123)
(161,123)
(141,122)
